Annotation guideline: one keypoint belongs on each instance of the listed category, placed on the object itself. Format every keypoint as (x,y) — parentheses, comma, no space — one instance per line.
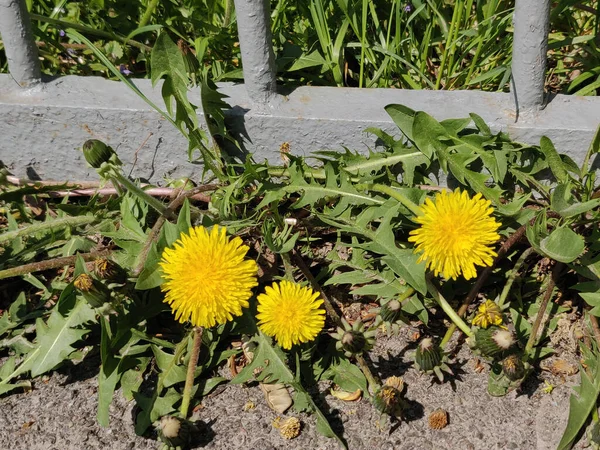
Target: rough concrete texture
(528,68)
(60,414)
(42,128)
(253,18)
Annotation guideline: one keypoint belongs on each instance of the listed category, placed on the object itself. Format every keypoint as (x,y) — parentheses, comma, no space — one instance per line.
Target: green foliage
(585,398)
(341,224)
(459,44)
(67,324)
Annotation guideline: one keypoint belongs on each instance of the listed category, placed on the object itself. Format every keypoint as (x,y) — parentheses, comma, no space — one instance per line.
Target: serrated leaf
(457,163)
(171,372)
(269,365)
(455,126)
(166,59)
(324,427)
(132,379)
(513,207)
(427,133)
(268,362)
(337,186)
(57,335)
(352,278)
(68,323)
(562,202)
(480,124)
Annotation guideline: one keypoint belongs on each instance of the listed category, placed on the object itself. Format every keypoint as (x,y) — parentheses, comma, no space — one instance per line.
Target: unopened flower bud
(513,367)
(94,292)
(493,341)
(174,432)
(96,152)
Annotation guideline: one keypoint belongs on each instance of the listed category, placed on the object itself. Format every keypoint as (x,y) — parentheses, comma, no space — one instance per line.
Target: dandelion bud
(493,341)
(430,358)
(353,339)
(489,314)
(94,292)
(84,282)
(428,355)
(105,269)
(174,432)
(513,367)
(96,152)
(391,311)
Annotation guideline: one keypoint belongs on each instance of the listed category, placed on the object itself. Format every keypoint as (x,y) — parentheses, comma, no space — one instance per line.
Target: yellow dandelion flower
(291,313)
(206,278)
(455,234)
(488,314)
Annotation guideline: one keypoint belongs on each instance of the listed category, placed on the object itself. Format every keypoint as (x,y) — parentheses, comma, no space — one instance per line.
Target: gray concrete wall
(42,128)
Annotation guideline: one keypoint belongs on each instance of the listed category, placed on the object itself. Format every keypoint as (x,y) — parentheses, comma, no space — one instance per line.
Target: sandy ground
(60,414)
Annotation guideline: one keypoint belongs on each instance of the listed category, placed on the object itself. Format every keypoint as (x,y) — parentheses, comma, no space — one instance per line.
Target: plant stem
(51,225)
(50,264)
(331,312)
(539,320)
(189,380)
(154,192)
(513,276)
(141,194)
(373,382)
(395,195)
(446,307)
(363,43)
(89,188)
(148,13)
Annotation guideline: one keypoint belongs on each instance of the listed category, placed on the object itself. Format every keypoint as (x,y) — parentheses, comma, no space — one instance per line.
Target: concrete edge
(41,128)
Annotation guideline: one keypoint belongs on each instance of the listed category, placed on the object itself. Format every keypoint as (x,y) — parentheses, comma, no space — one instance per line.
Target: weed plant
(507,257)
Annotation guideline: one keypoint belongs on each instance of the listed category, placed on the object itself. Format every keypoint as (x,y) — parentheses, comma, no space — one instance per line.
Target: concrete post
(19,45)
(258,60)
(530,45)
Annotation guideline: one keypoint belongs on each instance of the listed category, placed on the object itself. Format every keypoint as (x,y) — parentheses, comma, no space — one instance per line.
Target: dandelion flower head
(456,233)
(206,278)
(290,313)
